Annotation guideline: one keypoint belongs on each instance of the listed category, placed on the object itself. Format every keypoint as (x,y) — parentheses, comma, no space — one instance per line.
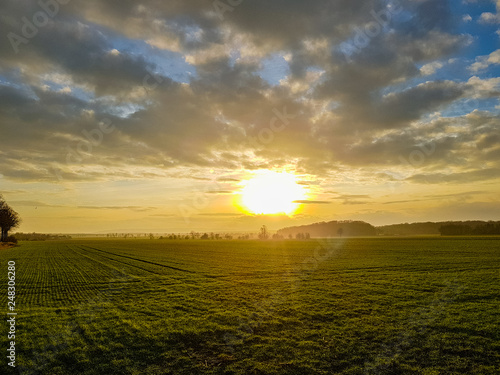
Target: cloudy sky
(121,115)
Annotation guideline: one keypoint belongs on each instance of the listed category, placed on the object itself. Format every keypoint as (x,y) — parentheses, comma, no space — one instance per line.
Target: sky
(149,116)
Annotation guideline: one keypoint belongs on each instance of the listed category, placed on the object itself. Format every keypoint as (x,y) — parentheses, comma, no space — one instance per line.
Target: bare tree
(9,219)
(263,235)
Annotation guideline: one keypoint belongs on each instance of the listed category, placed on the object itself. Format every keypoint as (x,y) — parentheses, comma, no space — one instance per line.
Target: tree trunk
(5,234)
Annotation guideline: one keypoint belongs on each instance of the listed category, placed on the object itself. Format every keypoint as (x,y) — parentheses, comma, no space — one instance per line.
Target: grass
(6,245)
(346,306)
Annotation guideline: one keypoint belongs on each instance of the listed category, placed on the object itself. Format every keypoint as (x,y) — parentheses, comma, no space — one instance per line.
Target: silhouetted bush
(11,239)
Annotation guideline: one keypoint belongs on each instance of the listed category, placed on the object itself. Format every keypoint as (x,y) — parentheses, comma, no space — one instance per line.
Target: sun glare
(272,193)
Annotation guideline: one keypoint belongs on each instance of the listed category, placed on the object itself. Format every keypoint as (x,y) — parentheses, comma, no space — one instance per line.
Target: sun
(271,193)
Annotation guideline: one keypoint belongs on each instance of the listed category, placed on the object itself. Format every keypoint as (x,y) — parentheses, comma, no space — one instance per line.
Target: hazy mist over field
(226,115)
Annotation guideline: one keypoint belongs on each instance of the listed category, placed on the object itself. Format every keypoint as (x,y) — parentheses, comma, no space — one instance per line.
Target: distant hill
(412,229)
(331,229)
(408,229)
(351,228)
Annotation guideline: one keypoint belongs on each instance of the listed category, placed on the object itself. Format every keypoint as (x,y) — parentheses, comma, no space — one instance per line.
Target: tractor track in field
(115,260)
(218,277)
(139,260)
(84,272)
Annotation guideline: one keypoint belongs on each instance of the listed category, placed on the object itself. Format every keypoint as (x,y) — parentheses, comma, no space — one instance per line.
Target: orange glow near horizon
(271,193)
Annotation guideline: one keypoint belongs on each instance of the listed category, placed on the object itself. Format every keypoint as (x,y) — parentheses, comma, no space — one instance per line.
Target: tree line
(346,228)
(40,237)
(194,236)
(490,228)
(429,227)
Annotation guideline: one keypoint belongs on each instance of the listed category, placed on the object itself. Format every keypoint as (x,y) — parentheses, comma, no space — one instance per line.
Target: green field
(346,306)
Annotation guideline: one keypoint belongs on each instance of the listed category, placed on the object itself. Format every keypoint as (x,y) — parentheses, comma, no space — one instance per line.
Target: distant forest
(360,228)
(489,228)
(331,229)
(347,228)
(445,228)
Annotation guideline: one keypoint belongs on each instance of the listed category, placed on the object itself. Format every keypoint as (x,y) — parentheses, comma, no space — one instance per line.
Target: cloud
(431,68)
(483,62)
(488,17)
(460,197)
(485,210)
(311,202)
(29,203)
(461,177)
(223,214)
(352,199)
(465,194)
(89,64)
(133,208)
(412,103)
(72,47)
(484,88)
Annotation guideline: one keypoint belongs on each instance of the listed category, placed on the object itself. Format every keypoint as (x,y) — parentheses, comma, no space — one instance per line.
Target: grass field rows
(370,306)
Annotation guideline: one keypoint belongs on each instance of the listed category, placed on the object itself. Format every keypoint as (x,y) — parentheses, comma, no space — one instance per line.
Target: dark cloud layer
(371,107)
